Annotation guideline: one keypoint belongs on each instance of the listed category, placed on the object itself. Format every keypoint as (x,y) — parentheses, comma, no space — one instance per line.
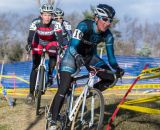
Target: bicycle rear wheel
(93,112)
(38,93)
(47,116)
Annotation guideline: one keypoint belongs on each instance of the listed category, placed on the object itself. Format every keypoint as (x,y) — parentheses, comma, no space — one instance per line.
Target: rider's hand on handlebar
(79,60)
(28,47)
(65,47)
(119,72)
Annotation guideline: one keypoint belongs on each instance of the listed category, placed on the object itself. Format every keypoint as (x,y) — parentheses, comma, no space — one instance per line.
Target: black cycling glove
(28,47)
(119,72)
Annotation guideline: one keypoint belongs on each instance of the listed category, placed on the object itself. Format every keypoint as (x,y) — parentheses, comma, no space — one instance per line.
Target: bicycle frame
(42,63)
(82,97)
(72,107)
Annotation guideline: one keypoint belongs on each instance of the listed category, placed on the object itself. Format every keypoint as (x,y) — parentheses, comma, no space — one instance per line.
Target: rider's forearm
(30,36)
(59,38)
(73,46)
(110,52)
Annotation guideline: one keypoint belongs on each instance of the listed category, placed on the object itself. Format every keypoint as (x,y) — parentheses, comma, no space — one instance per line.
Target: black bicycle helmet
(58,12)
(104,11)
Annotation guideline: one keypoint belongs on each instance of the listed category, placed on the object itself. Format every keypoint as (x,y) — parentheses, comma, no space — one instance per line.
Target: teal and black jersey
(85,40)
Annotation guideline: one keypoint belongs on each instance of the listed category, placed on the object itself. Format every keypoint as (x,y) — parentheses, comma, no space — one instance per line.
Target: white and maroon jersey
(45,33)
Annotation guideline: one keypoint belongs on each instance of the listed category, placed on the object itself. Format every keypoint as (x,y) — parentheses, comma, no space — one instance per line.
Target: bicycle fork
(38,75)
(37,79)
(89,85)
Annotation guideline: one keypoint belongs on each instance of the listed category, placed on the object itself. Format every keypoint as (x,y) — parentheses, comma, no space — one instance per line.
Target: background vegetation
(131,36)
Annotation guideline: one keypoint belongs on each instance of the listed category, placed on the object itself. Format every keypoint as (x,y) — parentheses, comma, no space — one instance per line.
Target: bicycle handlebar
(44,50)
(98,69)
(95,69)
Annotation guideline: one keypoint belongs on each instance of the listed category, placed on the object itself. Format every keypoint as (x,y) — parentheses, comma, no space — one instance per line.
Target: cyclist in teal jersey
(83,51)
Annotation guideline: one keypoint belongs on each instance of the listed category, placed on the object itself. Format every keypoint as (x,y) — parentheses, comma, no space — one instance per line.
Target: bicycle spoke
(92,117)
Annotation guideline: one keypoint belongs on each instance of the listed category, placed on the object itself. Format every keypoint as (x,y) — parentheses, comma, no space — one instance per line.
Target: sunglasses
(58,18)
(106,19)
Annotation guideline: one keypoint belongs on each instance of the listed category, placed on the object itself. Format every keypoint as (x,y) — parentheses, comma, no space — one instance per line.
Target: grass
(4,127)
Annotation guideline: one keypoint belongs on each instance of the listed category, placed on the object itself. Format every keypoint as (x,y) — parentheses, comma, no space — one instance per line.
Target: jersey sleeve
(76,37)
(68,28)
(58,33)
(32,30)
(109,41)
(57,27)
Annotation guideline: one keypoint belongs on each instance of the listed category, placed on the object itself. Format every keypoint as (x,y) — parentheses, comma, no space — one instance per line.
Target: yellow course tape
(133,94)
(150,77)
(142,100)
(140,109)
(7,76)
(22,80)
(24,95)
(137,86)
(150,71)
(14,76)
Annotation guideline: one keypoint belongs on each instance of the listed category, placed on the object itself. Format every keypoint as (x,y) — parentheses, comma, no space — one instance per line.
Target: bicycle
(87,111)
(40,86)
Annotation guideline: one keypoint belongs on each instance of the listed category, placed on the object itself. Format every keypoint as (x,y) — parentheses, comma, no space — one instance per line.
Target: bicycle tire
(47,116)
(77,124)
(39,90)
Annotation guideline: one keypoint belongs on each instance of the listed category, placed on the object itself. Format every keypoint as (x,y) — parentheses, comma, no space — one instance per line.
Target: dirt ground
(22,116)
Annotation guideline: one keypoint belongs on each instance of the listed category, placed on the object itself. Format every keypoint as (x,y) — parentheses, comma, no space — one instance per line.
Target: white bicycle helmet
(46,8)
(104,10)
(58,12)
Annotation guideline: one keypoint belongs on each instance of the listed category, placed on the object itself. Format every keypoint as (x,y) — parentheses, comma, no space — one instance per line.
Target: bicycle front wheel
(38,92)
(91,118)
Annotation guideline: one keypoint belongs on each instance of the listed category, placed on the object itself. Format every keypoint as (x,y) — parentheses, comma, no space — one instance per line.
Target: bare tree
(74,19)
(130,35)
